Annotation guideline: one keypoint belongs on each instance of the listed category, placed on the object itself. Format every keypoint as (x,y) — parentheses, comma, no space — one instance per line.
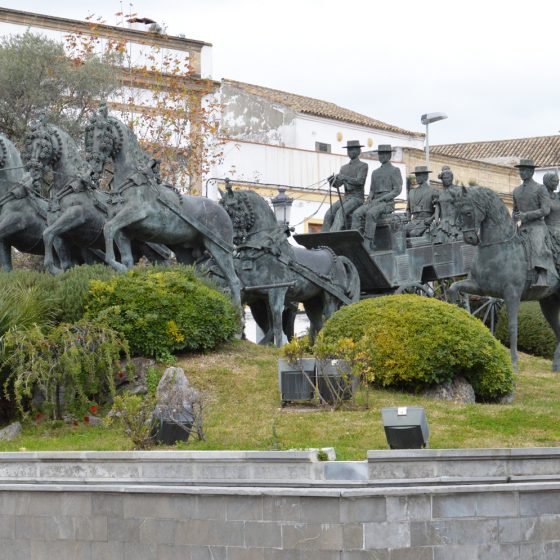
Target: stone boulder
(457,390)
(10,432)
(174,411)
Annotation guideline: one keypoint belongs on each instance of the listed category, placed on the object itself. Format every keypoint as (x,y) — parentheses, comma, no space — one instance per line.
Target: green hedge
(411,342)
(163,310)
(534,334)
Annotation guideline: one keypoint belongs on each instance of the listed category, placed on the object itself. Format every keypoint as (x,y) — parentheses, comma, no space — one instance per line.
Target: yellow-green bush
(411,342)
(163,310)
(534,334)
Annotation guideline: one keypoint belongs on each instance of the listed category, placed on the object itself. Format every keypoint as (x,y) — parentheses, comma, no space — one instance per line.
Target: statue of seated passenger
(386,185)
(421,204)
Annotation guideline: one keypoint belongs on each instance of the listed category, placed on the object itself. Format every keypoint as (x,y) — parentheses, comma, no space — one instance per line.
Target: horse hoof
(55,270)
(119,267)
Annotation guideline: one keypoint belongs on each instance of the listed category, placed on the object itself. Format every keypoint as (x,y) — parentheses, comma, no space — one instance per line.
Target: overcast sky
(492,66)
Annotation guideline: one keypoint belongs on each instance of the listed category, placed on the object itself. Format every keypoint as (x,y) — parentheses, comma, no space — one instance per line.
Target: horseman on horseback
(531,205)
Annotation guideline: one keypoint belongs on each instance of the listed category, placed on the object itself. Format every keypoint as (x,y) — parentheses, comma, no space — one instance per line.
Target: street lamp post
(282,205)
(427,119)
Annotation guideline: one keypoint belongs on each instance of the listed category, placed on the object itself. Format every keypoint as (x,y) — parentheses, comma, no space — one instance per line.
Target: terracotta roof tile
(544,150)
(319,108)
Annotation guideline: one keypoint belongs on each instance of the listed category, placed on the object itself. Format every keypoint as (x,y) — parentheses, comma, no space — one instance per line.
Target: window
(322,147)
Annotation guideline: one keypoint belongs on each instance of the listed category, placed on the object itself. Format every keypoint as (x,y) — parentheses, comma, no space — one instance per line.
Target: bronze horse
(23,212)
(274,271)
(145,209)
(500,267)
(77,210)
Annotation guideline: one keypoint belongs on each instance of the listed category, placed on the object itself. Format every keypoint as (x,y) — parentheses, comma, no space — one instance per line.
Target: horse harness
(140,178)
(260,250)
(20,191)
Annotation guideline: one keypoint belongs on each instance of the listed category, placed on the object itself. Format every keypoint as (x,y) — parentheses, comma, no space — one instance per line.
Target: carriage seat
(390,234)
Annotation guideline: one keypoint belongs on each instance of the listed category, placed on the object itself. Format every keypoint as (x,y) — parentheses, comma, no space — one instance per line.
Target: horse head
(43,148)
(104,139)
(469,215)
(107,138)
(241,212)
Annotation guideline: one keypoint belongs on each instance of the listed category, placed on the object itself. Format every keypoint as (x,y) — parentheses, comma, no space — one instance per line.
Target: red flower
(120,374)
(86,419)
(93,408)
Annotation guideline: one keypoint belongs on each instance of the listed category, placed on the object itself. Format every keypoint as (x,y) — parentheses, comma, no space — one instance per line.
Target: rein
(501,241)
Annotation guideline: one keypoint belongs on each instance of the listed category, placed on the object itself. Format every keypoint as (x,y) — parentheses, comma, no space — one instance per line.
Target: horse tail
(352,287)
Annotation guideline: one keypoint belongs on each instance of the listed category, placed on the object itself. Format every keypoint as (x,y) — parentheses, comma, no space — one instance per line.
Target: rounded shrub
(72,290)
(411,342)
(163,310)
(534,334)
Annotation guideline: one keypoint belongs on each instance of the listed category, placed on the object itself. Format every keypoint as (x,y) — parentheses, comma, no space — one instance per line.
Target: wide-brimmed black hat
(526,163)
(421,169)
(353,144)
(384,148)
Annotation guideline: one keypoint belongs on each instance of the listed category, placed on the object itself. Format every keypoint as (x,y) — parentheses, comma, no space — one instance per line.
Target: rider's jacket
(532,199)
(356,172)
(386,183)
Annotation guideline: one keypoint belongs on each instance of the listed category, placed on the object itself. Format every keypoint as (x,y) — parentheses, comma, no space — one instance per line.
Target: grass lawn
(245,413)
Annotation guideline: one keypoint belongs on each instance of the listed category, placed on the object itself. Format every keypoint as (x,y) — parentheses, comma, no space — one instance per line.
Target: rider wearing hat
(386,185)
(531,204)
(353,177)
(421,204)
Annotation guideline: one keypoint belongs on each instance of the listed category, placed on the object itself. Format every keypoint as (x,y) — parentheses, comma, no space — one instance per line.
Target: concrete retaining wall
(321,519)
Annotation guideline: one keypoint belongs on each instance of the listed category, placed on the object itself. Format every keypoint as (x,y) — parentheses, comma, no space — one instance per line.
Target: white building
(269,137)
(274,138)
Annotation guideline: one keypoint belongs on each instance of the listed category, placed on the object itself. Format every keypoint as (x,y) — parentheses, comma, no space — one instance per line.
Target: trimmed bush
(534,334)
(411,342)
(160,311)
(72,290)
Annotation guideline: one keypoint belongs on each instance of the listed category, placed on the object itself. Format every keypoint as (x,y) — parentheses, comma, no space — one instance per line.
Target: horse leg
(550,308)
(124,244)
(63,254)
(314,309)
(224,260)
(121,220)
(276,299)
(512,305)
(8,228)
(468,286)
(71,218)
(261,315)
(5,256)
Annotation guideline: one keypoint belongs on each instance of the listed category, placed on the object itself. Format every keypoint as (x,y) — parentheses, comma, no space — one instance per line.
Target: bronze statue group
(518,256)
(239,240)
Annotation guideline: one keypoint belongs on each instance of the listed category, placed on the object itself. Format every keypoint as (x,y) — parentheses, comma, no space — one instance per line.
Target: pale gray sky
(491,65)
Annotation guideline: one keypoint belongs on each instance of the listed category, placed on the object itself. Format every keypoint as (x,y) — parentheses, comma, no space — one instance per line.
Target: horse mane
(488,200)
(122,137)
(63,146)
(10,158)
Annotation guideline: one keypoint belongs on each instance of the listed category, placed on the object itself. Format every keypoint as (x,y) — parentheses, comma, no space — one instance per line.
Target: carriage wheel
(417,289)
(487,309)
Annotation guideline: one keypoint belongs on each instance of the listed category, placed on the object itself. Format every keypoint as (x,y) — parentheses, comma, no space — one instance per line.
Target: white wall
(290,167)
(311,129)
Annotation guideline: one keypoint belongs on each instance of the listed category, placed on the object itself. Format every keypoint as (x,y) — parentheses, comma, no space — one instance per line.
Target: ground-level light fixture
(282,205)
(406,427)
(427,119)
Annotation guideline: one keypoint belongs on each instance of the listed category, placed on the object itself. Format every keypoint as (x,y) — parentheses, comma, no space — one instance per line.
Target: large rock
(457,390)
(174,412)
(10,432)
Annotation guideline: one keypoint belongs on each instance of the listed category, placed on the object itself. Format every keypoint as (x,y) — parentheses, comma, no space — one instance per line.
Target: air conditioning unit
(297,379)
